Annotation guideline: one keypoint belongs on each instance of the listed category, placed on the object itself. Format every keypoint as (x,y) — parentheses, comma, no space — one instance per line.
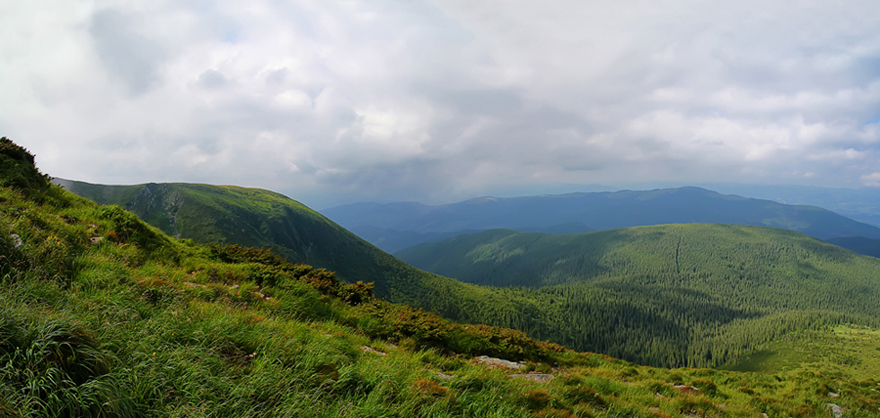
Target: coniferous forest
(671,295)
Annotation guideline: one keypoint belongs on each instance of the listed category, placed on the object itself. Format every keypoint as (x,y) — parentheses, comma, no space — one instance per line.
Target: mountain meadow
(105,315)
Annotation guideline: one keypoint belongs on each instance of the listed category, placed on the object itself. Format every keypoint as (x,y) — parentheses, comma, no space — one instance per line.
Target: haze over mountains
(395,226)
(862,204)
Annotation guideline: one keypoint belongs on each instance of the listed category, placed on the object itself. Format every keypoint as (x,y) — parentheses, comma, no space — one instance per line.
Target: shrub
(128,228)
(17,170)
(706,386)
(429,389)
(535,399)
(584,395)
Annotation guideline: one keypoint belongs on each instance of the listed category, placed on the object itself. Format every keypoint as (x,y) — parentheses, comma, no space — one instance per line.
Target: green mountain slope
(255,218)
(690,294)
(513,258)
(102,315)
(627,302)
(259,218)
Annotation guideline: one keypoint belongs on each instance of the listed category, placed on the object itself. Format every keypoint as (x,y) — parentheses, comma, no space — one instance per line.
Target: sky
(332,102)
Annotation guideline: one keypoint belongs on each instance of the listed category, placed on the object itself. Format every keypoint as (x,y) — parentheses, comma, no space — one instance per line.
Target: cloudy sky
(439,100)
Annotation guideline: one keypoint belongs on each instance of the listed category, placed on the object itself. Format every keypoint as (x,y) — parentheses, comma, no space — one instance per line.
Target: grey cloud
(127,55)
(209,146)
(212,79)
(115,142)
(374,100)
(482,101)
(278,76)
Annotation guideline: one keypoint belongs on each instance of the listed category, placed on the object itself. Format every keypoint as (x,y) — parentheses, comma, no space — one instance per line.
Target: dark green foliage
(861,245)
(127,228)
(398,322)
(675,295)
(18,171)
(269,269)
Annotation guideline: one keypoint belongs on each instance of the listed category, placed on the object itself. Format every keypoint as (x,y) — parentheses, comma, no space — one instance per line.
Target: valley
(696,295)
(676,295)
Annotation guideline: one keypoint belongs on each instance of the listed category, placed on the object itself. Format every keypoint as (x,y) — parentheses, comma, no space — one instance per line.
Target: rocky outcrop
(493,362)
(837,410)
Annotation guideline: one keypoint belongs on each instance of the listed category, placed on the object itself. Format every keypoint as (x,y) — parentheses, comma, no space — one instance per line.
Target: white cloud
(442,99)
(871,180)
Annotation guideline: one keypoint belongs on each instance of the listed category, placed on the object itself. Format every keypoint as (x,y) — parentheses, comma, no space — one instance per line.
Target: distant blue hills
(395,226)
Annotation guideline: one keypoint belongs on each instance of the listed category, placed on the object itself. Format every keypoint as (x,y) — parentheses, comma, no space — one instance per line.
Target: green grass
(141,325)
(676,295)
(262,219)
(845,351)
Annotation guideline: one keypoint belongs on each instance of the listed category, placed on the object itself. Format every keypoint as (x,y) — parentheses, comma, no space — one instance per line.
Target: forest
(692,295)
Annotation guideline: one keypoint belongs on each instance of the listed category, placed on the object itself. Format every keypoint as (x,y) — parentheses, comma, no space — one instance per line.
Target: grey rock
(535,377)
(835,409)
(497,362)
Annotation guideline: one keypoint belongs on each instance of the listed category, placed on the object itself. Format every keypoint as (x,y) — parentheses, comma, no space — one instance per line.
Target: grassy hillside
(580,212)
(692,323)
(696,294)
(104,316)
(258,218)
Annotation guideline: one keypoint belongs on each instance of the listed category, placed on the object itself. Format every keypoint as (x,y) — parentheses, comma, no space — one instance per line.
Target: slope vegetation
(256,218)
(251,217)
(102,315)
(695,294)
(629,305)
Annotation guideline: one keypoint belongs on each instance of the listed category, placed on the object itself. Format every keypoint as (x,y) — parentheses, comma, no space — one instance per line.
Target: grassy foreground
(104,316)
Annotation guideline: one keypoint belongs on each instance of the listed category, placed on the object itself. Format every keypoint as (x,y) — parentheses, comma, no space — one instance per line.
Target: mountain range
(395,226)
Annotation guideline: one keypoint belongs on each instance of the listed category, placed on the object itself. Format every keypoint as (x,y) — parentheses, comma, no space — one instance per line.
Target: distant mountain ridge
(862,204)
(861,245)
(596,211)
